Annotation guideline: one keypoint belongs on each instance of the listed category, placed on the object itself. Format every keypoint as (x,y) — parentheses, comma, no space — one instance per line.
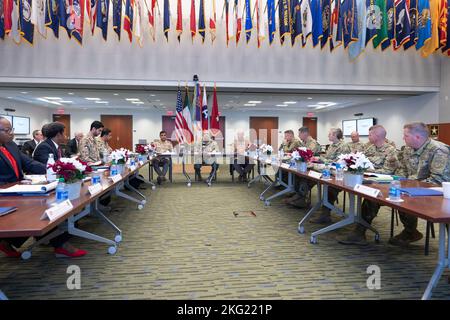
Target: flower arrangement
(140,148)
(71,169)
(120,156)
(266,149)
(302,154)
(356,163)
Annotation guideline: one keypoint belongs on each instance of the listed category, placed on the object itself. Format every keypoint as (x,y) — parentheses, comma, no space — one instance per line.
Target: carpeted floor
(189,243)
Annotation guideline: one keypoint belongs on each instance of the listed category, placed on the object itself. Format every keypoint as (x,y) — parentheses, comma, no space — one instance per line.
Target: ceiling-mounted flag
(390,13)
(193,23)
(260,25)
(201,20)
(402,24)
(334,23)
(356,48)
(25,25)
(376,22)
(117,16)
(433,44)
(239,13)
(77,18)
(212,21)
(284,16)
(326,23)
(52,16)
(38,11)
(138,21)
(2,21)
(129,17)
(443,14)
(348,25)
(423,23)
(306,21)
(64,15)
(151,4)
(317,29)
(413,14)
(166,19)
(102,17)
(13,28)
(229,20)
(91,11)
(446,48)
(271,20)
(179,28)
(248,20)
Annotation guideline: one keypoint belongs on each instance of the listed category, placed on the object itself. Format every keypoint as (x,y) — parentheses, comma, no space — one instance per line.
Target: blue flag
(390,12)
(64,15)
(413,18)
(423,23)
(2,21)
(52,16)
(167,18)
(117,16)
(26,27)
(271,19)
(317,30)
(284,16)
(248,21)
(296,20)
(326,22)
(348,25)
(356,48)
(102,17)
(402,24)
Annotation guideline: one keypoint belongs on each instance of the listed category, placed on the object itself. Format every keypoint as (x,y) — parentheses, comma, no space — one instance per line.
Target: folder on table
(29,189)
(421,192)
(6,210)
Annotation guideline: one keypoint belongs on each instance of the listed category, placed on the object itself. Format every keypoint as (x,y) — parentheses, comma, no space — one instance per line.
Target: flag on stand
(181,128)
(214,114)
(205,118)
(188,118)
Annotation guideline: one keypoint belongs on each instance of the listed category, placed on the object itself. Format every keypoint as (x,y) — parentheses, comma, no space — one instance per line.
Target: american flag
(180,122)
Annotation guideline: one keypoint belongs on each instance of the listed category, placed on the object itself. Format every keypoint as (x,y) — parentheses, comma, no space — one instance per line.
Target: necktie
(59,152)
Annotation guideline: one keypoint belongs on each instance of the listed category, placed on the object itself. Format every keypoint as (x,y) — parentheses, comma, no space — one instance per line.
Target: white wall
(164,63)
(391,114)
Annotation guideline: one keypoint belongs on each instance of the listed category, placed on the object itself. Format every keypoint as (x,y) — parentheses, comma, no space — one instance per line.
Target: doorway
(65,120)
(121,127)
(311,123)
(264,130)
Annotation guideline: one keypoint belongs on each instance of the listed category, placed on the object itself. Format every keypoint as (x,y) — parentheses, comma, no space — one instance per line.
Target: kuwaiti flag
(38,10)
(188,118)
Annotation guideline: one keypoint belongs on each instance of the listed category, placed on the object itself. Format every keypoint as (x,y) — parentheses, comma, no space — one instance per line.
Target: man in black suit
(72,145)
(29,146)
(12,162)
(51,145)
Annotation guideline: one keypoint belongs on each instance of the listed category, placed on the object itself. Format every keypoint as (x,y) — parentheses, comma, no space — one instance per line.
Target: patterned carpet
(187,243)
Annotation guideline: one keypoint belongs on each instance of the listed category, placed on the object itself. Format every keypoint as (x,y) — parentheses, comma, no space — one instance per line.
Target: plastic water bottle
(51,175)
(105,157)
(394,190)
(339,172)
(326,174)
(114,169)
(61,191)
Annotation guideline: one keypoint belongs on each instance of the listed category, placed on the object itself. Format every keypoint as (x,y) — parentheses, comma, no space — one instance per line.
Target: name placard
(94,189)
(367,190)
(285,166)
(132,168)
(116,178)
(314,174)
(141,163)
(57,211)
(268,161)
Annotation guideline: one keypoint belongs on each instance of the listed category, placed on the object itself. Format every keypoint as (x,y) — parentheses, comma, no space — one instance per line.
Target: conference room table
(435,209)
(26,220)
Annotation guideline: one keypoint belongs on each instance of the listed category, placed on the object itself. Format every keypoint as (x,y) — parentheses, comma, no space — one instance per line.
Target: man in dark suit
(29,146)
(72,145)
(51,145)
(12,162)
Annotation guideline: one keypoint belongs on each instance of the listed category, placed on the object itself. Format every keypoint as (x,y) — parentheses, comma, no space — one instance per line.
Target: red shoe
(8,252)
(63,253)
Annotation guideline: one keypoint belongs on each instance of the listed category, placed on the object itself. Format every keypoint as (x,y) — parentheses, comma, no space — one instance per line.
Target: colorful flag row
(422,24)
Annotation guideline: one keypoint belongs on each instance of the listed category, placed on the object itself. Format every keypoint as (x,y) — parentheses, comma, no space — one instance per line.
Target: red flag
(193,21)
(151,18)
(239,14)
(128,20)
(8,7)
(214,113)
(91,8)
(212,21)
(179,20)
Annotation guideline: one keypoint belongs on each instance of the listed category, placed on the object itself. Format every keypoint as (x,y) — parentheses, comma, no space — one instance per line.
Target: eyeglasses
(9,130)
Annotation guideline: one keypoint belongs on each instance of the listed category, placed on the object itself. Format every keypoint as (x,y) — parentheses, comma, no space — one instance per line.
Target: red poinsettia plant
(302,154)
(140,148)
(71,169)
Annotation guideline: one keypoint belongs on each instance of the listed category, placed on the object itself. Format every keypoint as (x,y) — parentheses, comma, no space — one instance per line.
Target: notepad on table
(27,189)
(6,210)
(418,192)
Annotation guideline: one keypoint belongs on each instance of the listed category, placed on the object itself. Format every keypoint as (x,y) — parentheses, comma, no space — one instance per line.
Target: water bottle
(61,191)
(326,174)
(96,179)
(105,157)
(394,190)
(132,161)
(339,172)
(114,169)
(51,175)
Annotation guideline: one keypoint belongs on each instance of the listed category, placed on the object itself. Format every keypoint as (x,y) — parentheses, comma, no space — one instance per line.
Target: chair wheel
(26,255)
(301,229)
(261,198)
(153,187)
(143,202)
(313,240)
(267,203)
(118,238)
(112,250)
(189,184)
(377,238)
(140,207)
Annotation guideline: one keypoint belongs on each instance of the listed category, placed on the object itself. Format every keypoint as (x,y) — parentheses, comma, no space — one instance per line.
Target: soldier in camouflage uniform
(355,145)
(384,159)
(89,151)
(301,198)
(289,144)
(102,143)
(423,159)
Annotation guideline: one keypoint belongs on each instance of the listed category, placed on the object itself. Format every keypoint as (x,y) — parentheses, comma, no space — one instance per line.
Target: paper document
(30,188)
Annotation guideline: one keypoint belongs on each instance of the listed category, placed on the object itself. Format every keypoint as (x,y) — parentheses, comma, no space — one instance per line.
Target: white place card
(285,166)
(314,174)
(367,190)
(94,189)
(132,168)
(268,161)
(116,178)
(57,211)
(141,163)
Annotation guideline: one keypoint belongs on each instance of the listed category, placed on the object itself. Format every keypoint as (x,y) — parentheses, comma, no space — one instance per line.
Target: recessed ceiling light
(327,103)
(249,105)
(48,101)
(53,98)
(309,98)
(71,93)
(133,99)
(290,102)
(93,99)
(84,108)
(157,100)
(282,105)
(152,95)
(254,101)
(116,94)
(24,92)
(10,97)
(65,101)
(137,102)
(101,102)
(379,99)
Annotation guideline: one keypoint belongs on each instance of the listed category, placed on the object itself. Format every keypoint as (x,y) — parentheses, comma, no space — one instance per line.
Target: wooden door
(311,123)
(121,127)
(264,130)
(65,120)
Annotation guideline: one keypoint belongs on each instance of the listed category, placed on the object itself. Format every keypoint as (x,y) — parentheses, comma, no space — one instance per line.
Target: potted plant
(302,156)
(73,171)
(119,157)
(356,164)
